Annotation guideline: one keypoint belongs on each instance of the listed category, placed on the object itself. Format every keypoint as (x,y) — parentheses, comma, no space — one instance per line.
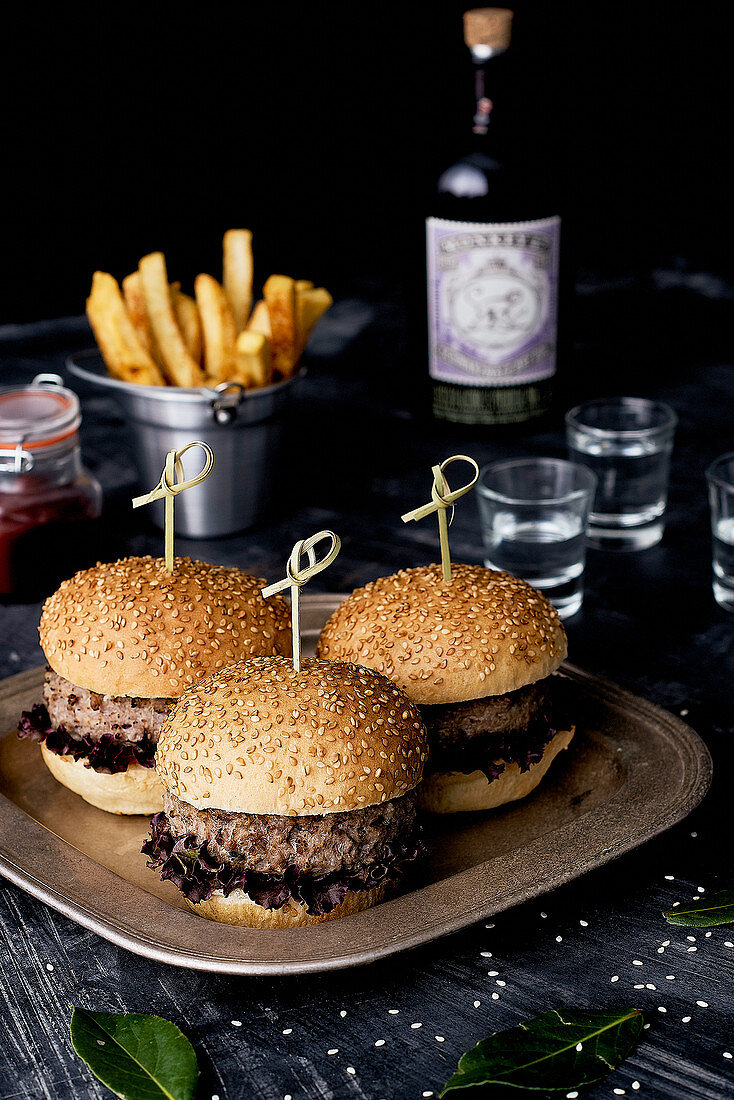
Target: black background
(129,129)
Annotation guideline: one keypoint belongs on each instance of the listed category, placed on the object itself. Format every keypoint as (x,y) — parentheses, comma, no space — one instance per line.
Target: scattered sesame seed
(694,835)
(640,986)
(696,897)
(675,904)
(428,1094)
(619,1092)
(486,954)
(670,977)
(700,889)
(500,983)
(49,966)
(215,1096)
(439,1038)
(495,996)
(661,950)
(692,949)
(646,1027)
(414,1026)
(489,926)
(579,1046)
(670,878)
(544,915)
(342,1014)
(559,939)
(685,1020)
(683,713)
(666,943)
(637,962)
(236,1023)
(702,1004)
(727,1054)
(334,1050)
(728,943)
(708,935)
(692,939)
(393,1011)
(287,1096)
(614,978)
(571,1095)
(287,1030)
(379,1042)
(584,923)
(650,986)
(635,1085)
(492,973)
(351,1069)
(661,1009)
(477,1004)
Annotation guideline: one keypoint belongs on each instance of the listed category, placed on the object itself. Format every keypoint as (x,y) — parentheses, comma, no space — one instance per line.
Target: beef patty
(353,840)
(462,736)
(84,713)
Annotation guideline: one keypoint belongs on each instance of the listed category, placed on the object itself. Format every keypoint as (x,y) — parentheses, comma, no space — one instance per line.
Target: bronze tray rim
(42,863)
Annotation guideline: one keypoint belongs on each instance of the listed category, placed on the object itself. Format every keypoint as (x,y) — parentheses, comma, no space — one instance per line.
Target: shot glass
(533,513)
(627,442)
(720,480)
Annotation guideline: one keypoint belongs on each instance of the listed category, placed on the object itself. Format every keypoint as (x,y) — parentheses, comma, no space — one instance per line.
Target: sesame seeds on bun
(483,633)
(261,738)
(130,628)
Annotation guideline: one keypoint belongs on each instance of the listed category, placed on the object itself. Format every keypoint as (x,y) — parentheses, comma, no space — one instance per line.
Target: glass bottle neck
(484,104)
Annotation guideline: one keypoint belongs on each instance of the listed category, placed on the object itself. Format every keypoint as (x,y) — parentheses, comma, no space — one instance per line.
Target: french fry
(237,277)
(259,319)
(187,316)
(311,304)
(253,359)
(125,356)
(132,292)
(179,365)
(303,284)
(218,328)
(280,294)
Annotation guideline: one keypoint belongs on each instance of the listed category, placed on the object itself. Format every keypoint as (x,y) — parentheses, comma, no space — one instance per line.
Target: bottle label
(492,301)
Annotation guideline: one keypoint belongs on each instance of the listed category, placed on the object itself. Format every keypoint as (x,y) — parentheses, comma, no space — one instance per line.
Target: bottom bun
(239,908)
(135,791)
(456,792)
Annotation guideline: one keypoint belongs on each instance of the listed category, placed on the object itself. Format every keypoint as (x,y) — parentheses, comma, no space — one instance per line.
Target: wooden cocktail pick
(169,488)
(296,577)
(443,498)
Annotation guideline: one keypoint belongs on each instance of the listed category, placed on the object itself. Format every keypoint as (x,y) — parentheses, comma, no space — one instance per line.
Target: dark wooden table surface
(395,1030)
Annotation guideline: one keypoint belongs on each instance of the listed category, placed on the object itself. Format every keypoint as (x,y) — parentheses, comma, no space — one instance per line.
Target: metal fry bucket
(243,428)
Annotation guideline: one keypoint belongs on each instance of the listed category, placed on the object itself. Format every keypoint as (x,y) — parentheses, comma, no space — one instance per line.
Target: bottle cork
(488,27)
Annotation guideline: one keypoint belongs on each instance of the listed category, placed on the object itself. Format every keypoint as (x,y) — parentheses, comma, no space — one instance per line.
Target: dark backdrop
(135,128)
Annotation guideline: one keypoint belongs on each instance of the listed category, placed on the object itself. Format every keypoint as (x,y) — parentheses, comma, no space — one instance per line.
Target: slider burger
(289,796)
(476,655)
(122,642)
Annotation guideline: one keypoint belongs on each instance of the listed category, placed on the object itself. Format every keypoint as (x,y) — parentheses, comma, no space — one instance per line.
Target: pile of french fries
(152,334)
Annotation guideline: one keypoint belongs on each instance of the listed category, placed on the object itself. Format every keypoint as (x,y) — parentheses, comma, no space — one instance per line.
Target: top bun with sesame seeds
(130,628)
(484,633)
(261,738)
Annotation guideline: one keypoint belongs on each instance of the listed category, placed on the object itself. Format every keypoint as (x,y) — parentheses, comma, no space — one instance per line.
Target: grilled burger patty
(353,840)
(84,713)
(463,736)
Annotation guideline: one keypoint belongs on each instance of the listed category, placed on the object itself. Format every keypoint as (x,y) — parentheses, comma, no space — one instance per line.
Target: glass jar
(47,498)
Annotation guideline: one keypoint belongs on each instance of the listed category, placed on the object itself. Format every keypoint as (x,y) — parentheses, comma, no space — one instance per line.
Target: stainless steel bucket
(243,428)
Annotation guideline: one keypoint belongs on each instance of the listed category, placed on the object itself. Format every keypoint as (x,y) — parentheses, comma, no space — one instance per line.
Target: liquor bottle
(492,262)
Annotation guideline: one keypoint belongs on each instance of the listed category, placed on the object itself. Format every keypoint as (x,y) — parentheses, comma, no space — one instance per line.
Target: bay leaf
(560,1050)
(718,909)
(138,1057)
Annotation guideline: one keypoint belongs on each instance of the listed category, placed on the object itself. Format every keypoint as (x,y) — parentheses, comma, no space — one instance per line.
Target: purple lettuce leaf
(105,755)
(192,869)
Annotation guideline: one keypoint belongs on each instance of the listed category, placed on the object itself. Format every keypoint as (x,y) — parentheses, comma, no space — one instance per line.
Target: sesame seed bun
(239,908)
(456,792)
(261,738)
(137,790)
(131,628)
(483,633)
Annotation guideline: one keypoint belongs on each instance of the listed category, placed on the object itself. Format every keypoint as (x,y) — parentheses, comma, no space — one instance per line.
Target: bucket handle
(229,397)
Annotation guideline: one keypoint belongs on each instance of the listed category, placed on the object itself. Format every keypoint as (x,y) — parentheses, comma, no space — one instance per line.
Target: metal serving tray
(632,771)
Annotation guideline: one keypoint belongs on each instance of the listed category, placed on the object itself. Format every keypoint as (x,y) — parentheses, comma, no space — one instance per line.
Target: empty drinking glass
(533,514)
(720,478)
(627,442)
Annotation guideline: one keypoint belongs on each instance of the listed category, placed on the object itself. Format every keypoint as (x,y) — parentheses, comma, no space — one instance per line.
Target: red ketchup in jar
(47,498)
